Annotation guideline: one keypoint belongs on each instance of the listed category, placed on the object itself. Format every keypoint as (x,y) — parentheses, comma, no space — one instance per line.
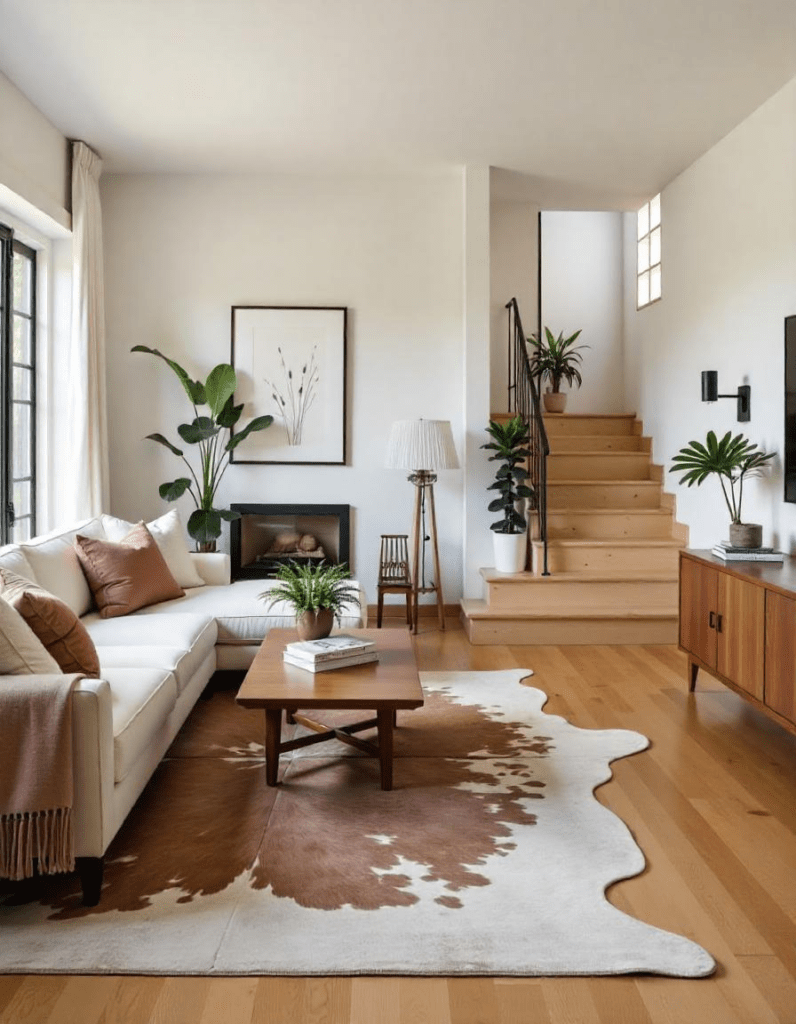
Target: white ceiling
(597,103)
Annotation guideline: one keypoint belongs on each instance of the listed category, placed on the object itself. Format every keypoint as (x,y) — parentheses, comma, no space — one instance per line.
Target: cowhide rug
(490,856)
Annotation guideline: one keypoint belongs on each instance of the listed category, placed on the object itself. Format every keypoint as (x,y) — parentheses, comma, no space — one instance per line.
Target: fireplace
(269,536)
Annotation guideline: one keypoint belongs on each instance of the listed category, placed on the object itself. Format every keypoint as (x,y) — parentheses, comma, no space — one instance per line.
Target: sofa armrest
(92,740)
(214,567)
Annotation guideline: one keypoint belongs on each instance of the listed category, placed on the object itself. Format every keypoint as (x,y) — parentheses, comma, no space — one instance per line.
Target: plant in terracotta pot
(556,359)
(732,460)
(510,446)
(317,594)
(207,434)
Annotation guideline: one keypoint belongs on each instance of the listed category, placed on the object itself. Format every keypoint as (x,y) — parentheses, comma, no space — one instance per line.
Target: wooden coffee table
(386,686)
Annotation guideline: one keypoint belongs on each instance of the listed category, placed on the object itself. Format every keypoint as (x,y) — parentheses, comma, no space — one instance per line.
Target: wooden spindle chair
(394,574)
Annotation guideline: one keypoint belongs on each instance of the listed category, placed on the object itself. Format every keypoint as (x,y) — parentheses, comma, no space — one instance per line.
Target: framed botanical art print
(290,363)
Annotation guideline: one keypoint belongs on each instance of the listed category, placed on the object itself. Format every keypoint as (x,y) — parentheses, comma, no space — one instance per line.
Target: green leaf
(220,387)
(230,414)
(202,429)
(259,423)
(228,514)
(194,389)
(204,525)
(175,489)
(164,441)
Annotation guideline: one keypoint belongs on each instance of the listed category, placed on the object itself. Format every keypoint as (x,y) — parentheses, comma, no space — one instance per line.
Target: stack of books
(728,553)
(338,651)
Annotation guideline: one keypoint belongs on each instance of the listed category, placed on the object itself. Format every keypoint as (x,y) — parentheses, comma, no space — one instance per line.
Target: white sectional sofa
(154,665)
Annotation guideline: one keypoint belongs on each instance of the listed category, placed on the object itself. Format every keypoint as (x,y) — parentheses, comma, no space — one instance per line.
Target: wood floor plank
(90,994)
(181,1001)
(472,1001)
(9,984)
(569,1001)
(34,999)
(424,1001)
(521,1004)
(230,999)
(618,1001)
(775,984)
(133,1001)
(375,999)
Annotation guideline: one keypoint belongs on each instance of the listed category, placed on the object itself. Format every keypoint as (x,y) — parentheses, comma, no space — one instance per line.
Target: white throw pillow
(21,651)
(53,559)
(169,537)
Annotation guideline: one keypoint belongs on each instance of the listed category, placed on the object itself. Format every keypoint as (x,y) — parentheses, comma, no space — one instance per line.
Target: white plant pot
(510,551)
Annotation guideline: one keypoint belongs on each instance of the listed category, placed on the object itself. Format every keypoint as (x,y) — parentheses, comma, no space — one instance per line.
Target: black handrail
(524,399)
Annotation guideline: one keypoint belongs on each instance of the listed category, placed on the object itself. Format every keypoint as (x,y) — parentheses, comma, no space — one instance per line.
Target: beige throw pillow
(128,575)
(54,623)
(21,651)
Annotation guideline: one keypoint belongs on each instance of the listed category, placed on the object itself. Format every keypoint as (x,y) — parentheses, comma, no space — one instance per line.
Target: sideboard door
(780,693)
(698,609)
(740,630)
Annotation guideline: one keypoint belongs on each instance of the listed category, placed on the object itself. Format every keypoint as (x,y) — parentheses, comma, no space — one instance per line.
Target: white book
(339,645)
(327,666)
(749,556)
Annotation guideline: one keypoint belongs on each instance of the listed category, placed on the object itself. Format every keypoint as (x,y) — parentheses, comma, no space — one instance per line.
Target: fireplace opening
(267,537)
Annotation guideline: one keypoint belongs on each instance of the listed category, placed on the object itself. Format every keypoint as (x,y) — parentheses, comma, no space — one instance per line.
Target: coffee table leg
(385,720)
(273,737)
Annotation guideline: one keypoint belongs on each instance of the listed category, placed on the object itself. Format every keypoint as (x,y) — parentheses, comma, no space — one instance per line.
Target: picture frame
(290,363)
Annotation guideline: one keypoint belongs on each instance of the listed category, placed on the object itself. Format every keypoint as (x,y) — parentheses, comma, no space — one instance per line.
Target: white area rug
(490,856)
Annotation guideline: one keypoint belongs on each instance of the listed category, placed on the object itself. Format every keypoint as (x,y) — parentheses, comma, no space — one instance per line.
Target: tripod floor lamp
(423,446)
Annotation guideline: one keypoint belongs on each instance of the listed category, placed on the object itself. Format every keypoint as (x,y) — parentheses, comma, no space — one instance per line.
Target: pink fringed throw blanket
(36,784)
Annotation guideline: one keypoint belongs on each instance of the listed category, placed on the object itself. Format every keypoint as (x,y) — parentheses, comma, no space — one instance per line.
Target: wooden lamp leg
(416,557)
(435,549)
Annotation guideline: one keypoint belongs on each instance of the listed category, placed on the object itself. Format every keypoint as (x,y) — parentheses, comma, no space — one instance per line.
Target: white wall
(34,159)
(513,266)
(729,279)
(180,251)
(582,289)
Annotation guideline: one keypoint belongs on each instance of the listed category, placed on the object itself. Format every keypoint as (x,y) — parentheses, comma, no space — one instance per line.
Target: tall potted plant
(510,446)
(731,459)
(207,434)
(556,359)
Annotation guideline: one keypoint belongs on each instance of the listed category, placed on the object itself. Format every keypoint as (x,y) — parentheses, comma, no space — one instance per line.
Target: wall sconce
(710,393)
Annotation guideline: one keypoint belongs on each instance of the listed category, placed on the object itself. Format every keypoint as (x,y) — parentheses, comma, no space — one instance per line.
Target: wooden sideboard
(738,622)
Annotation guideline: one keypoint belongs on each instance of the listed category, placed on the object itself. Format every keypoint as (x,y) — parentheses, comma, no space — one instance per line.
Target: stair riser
(599,466)
(619,495)
(600,443)
(551,594)
(608,526)
(557,426)
(607,559)
(563,631)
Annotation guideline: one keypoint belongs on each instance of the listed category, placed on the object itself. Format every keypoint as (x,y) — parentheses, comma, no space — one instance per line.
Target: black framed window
(18,394)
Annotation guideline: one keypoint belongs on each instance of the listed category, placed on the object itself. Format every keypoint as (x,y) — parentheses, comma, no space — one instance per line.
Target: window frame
(11,247)
(646,238)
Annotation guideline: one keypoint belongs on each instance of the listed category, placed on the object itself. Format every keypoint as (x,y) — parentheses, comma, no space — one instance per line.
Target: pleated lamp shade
(421,444)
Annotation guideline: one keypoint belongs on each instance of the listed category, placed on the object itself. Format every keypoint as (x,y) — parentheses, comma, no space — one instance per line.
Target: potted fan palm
(510,446)
(207,434)
(731,459)
(316,593)
(556,359)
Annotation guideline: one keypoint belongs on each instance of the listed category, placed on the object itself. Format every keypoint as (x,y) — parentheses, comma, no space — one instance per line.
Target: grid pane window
(18,394)
(648,271)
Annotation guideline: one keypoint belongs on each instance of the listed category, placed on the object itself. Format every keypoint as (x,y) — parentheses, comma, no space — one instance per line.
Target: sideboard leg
(693,668)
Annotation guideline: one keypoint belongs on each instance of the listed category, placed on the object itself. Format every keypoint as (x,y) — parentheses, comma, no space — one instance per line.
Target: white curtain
(83,447)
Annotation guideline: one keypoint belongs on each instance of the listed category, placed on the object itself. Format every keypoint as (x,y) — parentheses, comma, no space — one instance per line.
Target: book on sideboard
(339,645)
(748,554)
(365,658)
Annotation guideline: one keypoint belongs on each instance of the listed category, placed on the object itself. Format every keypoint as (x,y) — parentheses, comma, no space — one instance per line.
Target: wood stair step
(603,524)
(598,466)
(586,423)
(563,590)
(612,554)
(603,494)
(599,443)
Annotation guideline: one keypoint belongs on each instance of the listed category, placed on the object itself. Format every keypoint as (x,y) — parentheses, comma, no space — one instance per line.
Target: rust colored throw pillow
(127,575)
(54,623)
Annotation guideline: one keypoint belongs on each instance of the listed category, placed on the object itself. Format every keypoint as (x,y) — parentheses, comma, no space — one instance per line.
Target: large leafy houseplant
(510,446)
(731,459)
(316,593)
(556,359)
(213,441)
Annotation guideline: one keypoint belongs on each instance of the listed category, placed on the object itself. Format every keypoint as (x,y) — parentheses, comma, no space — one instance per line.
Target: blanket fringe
(43,836)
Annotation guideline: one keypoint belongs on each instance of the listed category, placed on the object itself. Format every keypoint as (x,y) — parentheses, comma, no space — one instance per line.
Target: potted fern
(316,593)
(510,446)
(556,359)
(731,459)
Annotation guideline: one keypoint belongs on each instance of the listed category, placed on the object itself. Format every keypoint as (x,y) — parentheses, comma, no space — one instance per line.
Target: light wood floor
(712,804)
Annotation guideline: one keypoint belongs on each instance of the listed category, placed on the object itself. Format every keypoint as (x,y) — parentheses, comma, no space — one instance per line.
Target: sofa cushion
(182,662)
(242,616)
(13,557)
(21,651)
(54,562)
(179,630)
(53,622)
(170,539)
(127,575)
(142,699)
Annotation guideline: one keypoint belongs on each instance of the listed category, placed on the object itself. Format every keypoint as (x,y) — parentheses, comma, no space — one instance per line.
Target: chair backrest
(394,559)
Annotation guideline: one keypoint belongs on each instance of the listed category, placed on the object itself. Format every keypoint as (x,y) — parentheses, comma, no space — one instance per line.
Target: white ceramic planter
(510,551)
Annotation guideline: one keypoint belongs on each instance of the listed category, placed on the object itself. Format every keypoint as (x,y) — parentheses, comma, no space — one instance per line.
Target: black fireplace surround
(262,528)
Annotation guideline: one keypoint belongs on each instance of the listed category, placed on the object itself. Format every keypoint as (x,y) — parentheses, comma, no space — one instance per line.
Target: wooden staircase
(613,547)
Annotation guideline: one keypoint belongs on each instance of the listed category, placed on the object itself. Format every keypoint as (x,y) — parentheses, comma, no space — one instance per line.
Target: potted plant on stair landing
(731,459)
(207,434)
(510,445)
(556,359)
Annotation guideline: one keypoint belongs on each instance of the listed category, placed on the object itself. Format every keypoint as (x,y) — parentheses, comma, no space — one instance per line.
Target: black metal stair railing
(524,399)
